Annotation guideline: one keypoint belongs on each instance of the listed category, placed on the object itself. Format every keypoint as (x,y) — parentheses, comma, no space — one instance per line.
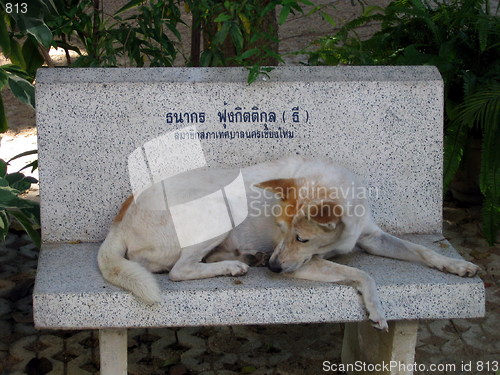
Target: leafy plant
(27,33)
(24,39)
(242,33)
(15,78)
(480,111)
(461,38)
(141,38)
(13,207)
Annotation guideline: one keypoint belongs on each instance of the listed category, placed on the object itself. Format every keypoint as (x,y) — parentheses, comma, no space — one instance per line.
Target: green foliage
(461,38)
(13,77)
(13,207)
(27,34)
(110,40)
(243,33)
(20,36)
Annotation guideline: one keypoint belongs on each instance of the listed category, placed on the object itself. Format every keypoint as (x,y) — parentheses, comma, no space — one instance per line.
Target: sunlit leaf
(22,89)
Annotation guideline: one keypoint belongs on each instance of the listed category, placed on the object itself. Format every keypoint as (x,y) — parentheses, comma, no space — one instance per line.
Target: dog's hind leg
(190,265)
(318,269)
(380,243)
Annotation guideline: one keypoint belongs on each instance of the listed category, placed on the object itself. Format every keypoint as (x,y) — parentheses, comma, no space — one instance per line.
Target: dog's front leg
(381,243)
(318,269)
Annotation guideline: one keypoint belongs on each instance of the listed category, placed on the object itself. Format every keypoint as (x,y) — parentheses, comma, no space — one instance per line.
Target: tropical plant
(240,33)
(143,37)
(479,112)
(14,207)
(29,29)
(243,33)
(461,38)
(24,39)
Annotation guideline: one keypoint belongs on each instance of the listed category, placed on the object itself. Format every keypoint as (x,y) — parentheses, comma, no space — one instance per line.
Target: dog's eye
(301,239)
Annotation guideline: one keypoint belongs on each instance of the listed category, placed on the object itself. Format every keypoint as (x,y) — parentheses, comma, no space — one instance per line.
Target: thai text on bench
(296,115)
(241,116)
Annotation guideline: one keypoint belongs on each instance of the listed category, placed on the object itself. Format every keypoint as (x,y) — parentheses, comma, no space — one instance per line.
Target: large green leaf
(50,6)
(22,89)
(4,225)
(491,219)
(223,17)
(129,5)
(249,53)
(14,69)
(221,35)
(22,154)
(42,34)
(4,36)
(32,57)
(8,197)
(10,201)
(28,226)
(487,103)
(3,170)
(285,11)
(17,181)
(4,77)
(237,37)
(3,120)
(454,144)
(16,54)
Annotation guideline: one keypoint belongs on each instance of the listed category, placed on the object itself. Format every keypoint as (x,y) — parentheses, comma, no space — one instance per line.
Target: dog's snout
(274,266)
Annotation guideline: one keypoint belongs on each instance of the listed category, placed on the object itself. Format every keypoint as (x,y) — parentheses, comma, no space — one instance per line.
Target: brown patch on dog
(288,190)
(123,209)
(285,188)
(325,212)
(294,194)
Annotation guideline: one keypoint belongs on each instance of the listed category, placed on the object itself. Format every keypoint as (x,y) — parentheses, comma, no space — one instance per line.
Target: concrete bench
(384,123)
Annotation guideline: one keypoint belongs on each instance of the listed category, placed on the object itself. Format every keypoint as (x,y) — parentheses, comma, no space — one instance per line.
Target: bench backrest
(384,123)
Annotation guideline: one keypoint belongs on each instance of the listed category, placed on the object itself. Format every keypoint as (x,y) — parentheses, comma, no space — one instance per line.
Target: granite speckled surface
(70,292)
(383,123)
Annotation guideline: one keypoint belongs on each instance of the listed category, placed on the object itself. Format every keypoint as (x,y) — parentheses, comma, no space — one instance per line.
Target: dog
(297,218)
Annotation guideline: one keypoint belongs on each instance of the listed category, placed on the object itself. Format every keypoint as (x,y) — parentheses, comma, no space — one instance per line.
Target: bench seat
(71,293)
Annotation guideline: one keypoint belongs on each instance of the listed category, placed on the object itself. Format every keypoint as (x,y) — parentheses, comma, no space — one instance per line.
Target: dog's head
(308,218)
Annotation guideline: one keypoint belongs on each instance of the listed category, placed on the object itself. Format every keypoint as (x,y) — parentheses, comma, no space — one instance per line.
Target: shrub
(14,207)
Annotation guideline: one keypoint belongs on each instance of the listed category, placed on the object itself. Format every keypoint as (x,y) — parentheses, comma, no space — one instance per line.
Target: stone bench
(384,123)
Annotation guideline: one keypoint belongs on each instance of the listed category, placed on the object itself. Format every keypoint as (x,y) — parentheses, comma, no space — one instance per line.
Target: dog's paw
(259,259)
(461,268)
(237,268)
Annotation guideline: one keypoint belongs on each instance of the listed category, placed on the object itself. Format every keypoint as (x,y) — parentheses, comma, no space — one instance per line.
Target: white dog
(295,212)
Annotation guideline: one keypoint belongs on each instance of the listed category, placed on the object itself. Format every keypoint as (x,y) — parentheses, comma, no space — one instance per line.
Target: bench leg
(393,352)
(113,351)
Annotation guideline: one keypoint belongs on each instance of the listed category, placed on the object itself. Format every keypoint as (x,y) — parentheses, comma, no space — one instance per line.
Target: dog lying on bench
(299,212)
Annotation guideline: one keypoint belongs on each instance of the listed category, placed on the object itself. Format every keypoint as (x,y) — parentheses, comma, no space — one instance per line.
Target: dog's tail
(124,273)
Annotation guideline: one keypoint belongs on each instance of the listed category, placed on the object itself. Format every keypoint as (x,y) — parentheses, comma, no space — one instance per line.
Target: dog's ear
(284,188)
(327,213)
